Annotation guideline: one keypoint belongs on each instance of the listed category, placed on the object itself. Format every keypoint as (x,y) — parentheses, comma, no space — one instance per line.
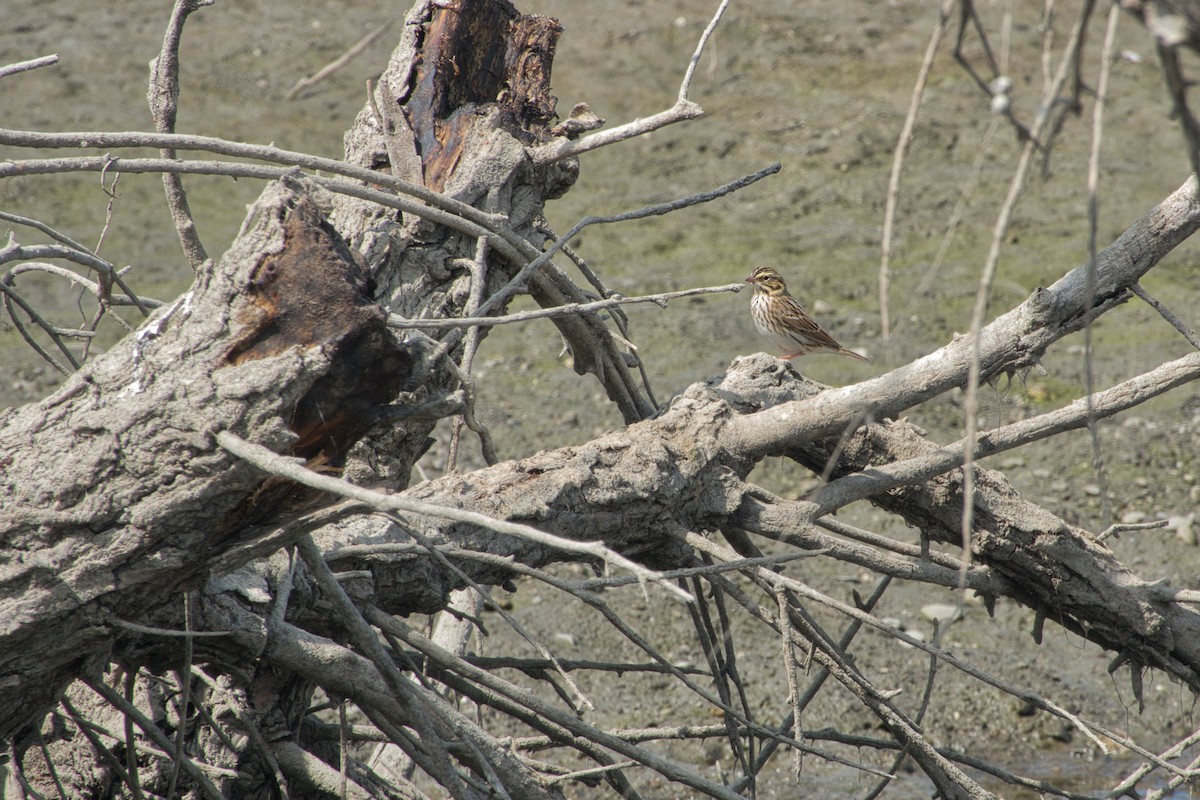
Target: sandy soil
(825,94)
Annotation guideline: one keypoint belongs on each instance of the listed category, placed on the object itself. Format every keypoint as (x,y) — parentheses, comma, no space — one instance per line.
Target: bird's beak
(750,279)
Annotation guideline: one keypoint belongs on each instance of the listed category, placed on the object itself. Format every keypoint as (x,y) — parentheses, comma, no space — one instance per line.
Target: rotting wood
(146,499)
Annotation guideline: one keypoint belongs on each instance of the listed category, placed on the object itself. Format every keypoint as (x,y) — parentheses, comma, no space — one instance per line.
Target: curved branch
(683,109)
(1013,341)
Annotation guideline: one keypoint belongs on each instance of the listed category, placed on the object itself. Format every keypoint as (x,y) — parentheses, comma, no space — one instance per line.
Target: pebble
(1092,490)
(941,612)
(1182,524)
(1133,517)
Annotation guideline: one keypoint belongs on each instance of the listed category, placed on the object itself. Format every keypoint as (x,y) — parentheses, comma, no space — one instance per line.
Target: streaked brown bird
(784,322)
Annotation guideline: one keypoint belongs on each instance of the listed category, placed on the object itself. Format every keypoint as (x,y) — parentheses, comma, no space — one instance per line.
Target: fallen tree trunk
(143,502)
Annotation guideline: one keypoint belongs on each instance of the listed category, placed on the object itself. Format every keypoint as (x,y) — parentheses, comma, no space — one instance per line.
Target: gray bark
(143,500)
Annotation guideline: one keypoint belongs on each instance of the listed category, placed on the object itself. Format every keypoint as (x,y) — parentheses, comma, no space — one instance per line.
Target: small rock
(1182,525)
(565,638)
(1133,517)
(940,612)
(1025,708)
(1091,490)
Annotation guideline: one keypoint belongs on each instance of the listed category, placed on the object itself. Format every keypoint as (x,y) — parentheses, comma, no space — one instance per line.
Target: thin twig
(679,673)
(790,669)
(238,705)
(956,755)
(792,721)
(58,236)
(581,701)
(109,757)
(151,730)
(1123,396)
(106,140)
(163,98)
(683,109)
(184,696)
(1177,86)
(478,269)
(614,300)
(1125,787)
(988,274)
(686,84)
(517,283)
(152,631)
(583,731)
(423,717)
(138,139)
(1188,332)
(898,157)
(1093,188)
(24,66)
(339,62)
(1089,728)
(12,296)
(130,741)
(616,314)
(1117,528)
(83,257)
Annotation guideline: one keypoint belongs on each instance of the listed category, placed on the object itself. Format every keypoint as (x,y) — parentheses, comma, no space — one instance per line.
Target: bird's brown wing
(803,328)
(808,334)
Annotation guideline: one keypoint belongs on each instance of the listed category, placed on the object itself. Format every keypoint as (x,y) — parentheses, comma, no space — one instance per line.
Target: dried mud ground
(824,91)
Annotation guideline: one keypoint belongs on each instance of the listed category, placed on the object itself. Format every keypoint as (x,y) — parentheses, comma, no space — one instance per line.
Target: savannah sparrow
(780,317)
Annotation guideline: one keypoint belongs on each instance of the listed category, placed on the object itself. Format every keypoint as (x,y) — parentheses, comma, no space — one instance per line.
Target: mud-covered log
(278,342)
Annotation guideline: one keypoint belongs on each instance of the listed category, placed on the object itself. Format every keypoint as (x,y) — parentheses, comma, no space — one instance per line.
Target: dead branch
(683,109)
(339,62)
(25,66)
(163,97)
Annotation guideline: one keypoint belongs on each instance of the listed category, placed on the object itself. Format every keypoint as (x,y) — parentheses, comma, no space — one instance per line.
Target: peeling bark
(275,342)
